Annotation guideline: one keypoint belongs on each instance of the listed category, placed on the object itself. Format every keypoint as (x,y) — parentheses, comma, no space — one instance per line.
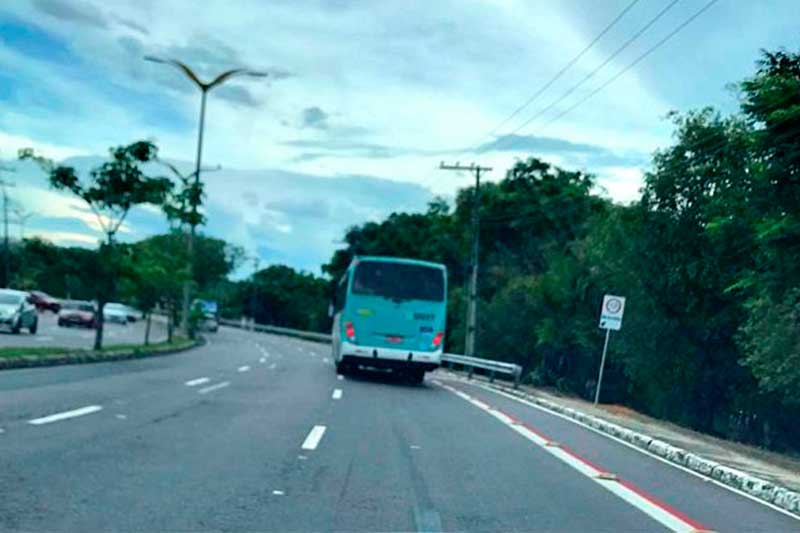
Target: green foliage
(280,296)
(111,190)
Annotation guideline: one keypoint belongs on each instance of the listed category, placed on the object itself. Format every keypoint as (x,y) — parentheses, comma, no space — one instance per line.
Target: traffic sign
(611,313)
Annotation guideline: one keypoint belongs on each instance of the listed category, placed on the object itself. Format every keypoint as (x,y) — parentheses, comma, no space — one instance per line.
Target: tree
(110,191)
(281,296)
(769,337)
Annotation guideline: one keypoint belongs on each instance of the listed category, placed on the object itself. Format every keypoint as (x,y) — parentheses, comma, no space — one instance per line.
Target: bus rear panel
(390,313)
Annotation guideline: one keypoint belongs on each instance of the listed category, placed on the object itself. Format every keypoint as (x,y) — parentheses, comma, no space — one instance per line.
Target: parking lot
(50,334)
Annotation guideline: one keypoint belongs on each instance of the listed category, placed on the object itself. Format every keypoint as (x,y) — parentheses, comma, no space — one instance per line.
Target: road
(49,334)
(257,432)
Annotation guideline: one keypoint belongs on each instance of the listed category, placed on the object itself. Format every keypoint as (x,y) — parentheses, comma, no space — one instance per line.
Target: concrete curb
(88,356)
(767,491)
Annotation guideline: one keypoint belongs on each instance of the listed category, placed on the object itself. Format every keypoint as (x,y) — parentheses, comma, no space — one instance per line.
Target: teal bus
(390,313)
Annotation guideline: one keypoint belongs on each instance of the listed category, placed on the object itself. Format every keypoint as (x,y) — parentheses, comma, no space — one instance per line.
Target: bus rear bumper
(390,357)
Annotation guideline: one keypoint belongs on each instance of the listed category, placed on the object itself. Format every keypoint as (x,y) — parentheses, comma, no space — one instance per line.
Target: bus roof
(403,260)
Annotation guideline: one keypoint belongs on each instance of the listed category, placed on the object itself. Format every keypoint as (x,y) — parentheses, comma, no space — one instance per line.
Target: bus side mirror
(330,310)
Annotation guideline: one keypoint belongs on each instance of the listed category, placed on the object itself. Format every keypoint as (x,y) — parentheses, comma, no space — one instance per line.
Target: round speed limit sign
(611,313)
(613,305)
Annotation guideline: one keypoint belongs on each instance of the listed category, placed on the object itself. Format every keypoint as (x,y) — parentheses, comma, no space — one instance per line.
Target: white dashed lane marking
(214,387)
(89,409)
(195,382)
(337,394)
(272,366)
(313,438)
(244,368)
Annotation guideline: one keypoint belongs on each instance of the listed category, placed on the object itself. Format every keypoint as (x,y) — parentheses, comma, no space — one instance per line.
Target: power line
(597,69)
(704,151)
(564,69)
(634,62)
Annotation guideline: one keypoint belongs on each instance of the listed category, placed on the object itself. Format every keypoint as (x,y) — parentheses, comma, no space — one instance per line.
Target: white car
(17,311)
(115,313)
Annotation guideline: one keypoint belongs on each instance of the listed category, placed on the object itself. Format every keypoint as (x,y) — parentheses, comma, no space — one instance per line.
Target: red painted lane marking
(587,462)
(627,484)
(665,507)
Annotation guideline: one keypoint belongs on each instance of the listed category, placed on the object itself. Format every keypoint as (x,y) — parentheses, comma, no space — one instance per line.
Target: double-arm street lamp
(204,87)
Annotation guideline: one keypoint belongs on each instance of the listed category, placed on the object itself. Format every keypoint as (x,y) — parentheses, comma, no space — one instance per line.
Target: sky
(361,102)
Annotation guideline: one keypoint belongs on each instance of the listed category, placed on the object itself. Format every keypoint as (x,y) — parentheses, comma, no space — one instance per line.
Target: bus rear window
(399,281)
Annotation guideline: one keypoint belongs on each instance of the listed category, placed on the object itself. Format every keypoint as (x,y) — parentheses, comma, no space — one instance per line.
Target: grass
(45,352)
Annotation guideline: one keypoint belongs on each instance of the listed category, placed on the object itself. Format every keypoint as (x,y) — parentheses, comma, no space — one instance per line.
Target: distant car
(45,302)
(77,313)
(115,313)
(209,323)
(17,311)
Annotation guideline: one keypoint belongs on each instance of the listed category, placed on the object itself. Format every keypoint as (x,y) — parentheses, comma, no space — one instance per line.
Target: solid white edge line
(673,522)
(195,382)
(634,447)
(89,409)
(313,438)
(337,394)
(214,387)
(244,368)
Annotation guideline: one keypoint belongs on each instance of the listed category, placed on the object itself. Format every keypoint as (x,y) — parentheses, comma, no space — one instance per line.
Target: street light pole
(6,247)
(204,87)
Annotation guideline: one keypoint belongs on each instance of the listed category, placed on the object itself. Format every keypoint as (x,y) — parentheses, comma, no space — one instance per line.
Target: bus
(390,313)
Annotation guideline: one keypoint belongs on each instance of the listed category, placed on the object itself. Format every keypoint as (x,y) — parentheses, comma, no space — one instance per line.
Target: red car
(45,302)
(77,313)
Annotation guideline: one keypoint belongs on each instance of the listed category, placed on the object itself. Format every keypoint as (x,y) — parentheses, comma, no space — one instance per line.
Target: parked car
(133,314)
(115,313)
(77,313)
(17,311)
(45,302)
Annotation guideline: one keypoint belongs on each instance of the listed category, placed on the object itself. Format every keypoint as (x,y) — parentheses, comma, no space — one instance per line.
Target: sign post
(610,318)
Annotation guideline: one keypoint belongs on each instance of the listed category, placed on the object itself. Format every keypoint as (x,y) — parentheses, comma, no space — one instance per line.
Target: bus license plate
(394,339)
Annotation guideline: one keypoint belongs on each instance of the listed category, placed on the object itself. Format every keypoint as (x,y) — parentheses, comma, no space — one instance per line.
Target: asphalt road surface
(257,432)
(50,334)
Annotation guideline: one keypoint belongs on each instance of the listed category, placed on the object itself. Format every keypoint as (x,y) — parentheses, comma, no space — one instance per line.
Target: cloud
(132,25)
(238,95)
(314,117)
(588,153)
(338,146)
(72,11)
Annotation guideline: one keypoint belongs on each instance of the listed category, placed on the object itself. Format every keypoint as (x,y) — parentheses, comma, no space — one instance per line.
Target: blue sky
(364,99)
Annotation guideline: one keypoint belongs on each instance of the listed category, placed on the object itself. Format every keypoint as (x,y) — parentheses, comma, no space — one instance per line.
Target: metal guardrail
(300,334)
(492,367)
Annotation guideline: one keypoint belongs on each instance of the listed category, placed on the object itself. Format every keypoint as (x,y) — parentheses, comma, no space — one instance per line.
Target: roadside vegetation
(31,355)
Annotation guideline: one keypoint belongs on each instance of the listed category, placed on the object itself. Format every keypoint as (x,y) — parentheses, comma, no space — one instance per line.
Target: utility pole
(472,304)
(6,248)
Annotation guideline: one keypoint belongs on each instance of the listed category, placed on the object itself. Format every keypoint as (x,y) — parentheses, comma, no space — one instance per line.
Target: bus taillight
(437,340)
(350,330)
